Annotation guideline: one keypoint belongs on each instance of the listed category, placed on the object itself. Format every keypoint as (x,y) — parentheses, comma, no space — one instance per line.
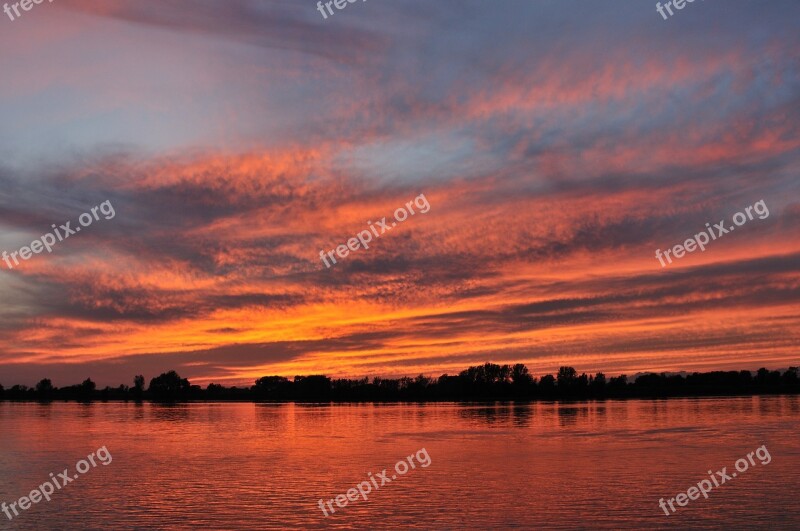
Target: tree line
(481,382)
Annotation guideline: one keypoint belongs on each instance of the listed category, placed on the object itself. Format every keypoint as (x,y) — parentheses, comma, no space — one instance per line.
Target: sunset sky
(559,143)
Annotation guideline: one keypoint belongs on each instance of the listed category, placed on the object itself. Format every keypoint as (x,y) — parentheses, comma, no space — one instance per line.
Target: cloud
(273,25)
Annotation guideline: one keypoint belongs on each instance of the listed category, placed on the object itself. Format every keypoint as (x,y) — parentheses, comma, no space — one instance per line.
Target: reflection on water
(170,412)
(500,414)
(502,465)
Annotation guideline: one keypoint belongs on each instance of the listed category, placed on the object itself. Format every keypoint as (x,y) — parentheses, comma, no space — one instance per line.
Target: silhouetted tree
(138,387)
(520,374)
(790,378)
(20,392)
(169,387)
(521,381)
(273,388)
(481,382)
(547,386)
(566,377)
(316,387)
(581,387)
(215,391)
(617,386)
(44,389)
(597,385)
(86,390)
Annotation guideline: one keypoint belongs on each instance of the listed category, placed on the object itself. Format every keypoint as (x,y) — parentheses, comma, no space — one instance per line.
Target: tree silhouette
(138,388)
(487,382)
(566,377)
(521,380)
(44,390)
(86,390)
(273,388)
(169,387)
(316,387)
(790,377)
(597,385)
(547,385)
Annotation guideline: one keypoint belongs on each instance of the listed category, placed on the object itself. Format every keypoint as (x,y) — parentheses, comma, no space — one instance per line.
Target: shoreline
(515,401)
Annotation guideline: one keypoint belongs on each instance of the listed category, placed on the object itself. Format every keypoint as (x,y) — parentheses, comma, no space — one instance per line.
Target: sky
(558,143)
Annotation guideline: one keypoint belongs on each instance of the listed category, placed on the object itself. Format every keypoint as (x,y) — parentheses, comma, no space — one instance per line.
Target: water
(584,465)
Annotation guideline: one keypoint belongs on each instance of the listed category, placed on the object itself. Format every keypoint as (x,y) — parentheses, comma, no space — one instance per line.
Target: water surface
(265,466)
